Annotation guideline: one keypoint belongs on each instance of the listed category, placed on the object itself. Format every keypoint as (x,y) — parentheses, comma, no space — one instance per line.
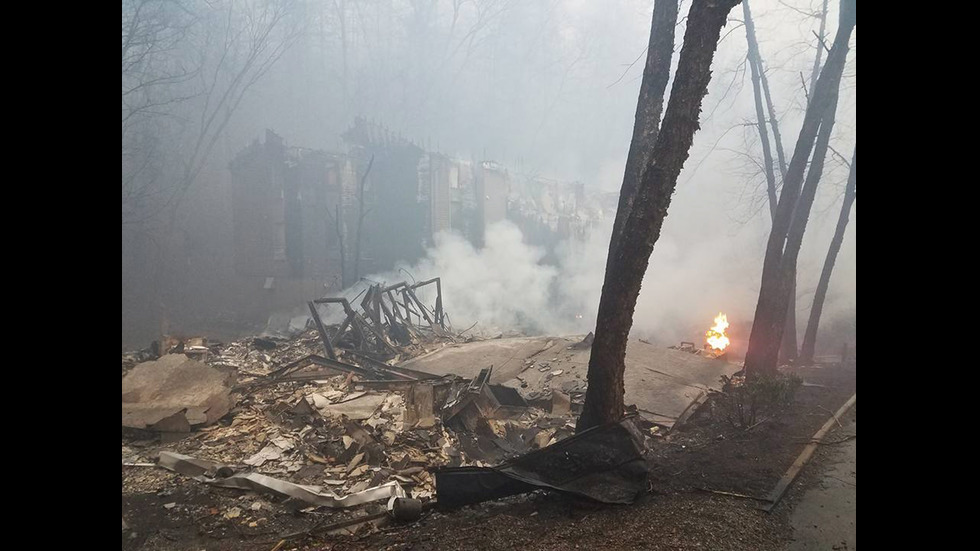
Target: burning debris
(715,337)
(716,341)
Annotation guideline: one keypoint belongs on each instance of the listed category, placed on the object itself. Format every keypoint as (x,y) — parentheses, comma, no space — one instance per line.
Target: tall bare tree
(649,107)
(813,324)
(629,256)
(155,82)
(756,67)
(760,88)
(186,67)
(790,344)
(779,267)
(822,16)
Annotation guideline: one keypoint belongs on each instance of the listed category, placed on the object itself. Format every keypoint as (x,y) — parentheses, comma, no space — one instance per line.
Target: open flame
(715,337)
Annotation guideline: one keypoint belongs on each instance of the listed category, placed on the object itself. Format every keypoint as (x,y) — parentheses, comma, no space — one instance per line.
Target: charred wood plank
(324,338)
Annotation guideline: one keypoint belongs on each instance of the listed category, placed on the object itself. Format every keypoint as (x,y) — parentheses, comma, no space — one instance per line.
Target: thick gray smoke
(696,271)
(505,286)
(693,275)
(544,88)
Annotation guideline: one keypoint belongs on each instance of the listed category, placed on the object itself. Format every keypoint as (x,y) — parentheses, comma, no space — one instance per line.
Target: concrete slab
(467,359)
(661,382)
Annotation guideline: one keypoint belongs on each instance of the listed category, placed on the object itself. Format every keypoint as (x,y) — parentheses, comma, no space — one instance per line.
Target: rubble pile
(332,418)
(274,416)
(338,431)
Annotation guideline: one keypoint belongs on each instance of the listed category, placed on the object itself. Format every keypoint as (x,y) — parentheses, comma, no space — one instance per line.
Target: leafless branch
(805,13)
(628,67)
(840,157)
(821,41)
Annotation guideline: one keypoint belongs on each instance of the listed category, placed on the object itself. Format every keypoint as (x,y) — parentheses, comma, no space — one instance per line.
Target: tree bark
(755,64)
(628,259)
(774,123)
(820,35)
(810,337)
(790,344)
(779,264)
(649,106)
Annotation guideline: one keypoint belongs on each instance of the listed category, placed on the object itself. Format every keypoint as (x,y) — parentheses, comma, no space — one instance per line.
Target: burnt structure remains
(311,222)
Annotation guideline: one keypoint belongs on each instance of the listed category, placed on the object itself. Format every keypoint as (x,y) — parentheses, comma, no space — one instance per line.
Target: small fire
(715,336)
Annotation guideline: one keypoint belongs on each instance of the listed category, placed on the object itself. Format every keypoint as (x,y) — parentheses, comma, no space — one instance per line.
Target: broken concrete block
(157,394)
(560,403)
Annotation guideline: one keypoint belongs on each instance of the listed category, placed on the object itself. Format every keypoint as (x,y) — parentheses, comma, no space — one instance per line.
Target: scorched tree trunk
(770,314)
(649,107)
(628,258)
(810,337)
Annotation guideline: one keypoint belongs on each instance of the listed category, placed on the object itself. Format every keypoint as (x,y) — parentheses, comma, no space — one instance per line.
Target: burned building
(309,222)
(462,196)
(549,211)
(284,207)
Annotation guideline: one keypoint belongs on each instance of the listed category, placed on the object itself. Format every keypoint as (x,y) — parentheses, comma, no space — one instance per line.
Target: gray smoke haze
(709,256)
(545,88)
(506,286)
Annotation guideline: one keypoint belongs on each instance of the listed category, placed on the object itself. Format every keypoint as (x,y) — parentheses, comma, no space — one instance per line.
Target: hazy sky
(549,87)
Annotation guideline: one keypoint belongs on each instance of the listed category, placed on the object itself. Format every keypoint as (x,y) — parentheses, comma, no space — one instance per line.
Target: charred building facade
(309,222)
